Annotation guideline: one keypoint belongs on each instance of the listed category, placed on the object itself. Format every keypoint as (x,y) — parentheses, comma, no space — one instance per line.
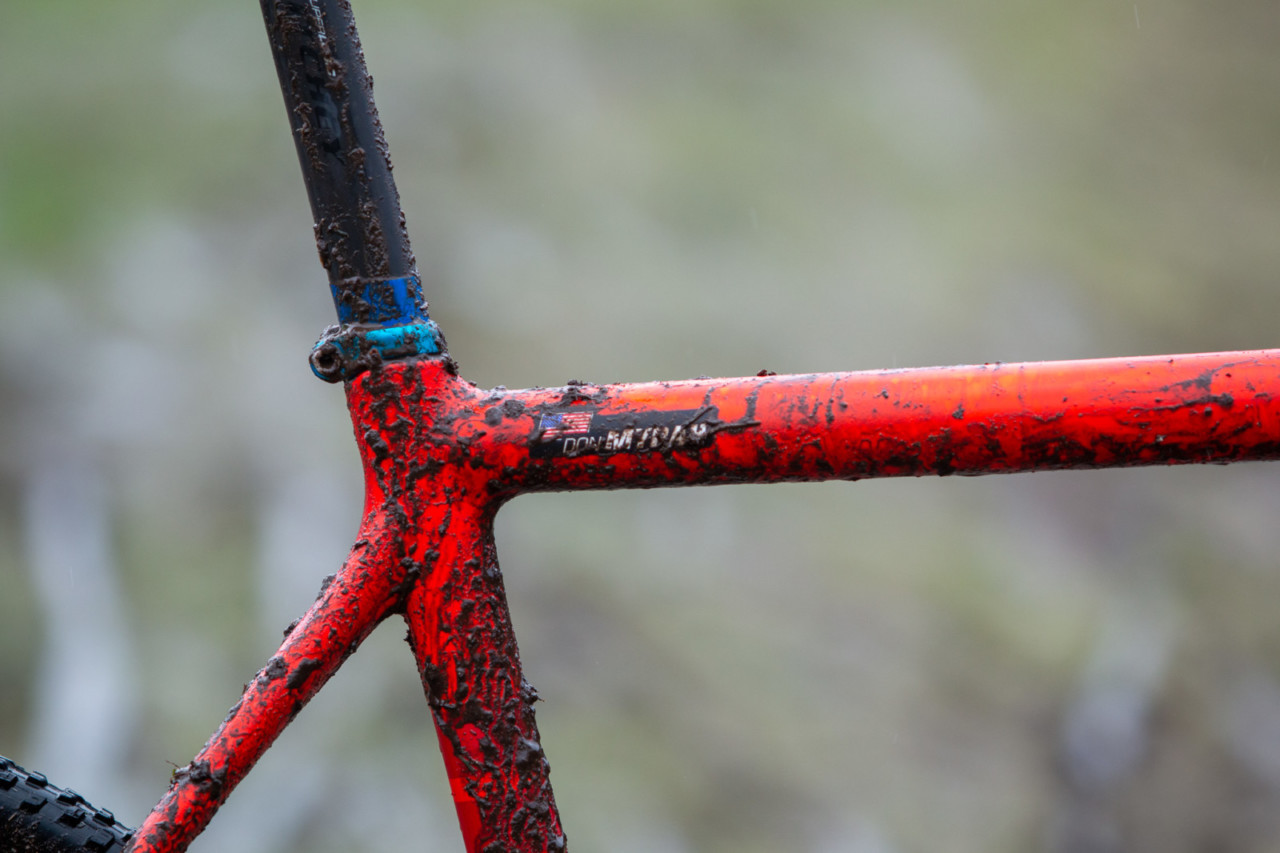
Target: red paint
(352,602)
(441,456)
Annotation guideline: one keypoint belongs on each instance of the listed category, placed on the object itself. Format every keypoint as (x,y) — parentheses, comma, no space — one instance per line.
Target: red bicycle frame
(441,456)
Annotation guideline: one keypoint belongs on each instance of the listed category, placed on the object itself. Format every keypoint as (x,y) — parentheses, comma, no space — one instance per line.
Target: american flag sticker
(562,424)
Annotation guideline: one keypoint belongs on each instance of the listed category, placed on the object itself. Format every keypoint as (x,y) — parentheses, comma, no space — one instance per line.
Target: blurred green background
(628,191)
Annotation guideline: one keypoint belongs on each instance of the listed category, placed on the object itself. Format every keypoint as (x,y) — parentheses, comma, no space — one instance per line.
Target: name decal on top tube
(582,432)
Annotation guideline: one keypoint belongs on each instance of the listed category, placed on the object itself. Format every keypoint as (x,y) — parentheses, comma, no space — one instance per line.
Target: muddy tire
(37,817)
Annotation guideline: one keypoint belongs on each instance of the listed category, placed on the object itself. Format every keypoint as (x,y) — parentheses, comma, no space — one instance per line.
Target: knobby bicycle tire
(38,817)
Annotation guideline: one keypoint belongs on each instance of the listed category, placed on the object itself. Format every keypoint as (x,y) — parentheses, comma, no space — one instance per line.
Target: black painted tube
(360,231)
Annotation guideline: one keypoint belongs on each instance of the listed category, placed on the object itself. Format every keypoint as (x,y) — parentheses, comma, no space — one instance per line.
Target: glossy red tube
(368,587)
(993,418)
(441,456)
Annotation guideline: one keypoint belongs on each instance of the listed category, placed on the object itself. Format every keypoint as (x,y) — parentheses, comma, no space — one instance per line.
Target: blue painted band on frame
(415,339)
(393,343)
(379,302)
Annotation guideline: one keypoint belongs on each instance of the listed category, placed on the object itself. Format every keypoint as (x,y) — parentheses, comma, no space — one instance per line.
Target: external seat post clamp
(381,320)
